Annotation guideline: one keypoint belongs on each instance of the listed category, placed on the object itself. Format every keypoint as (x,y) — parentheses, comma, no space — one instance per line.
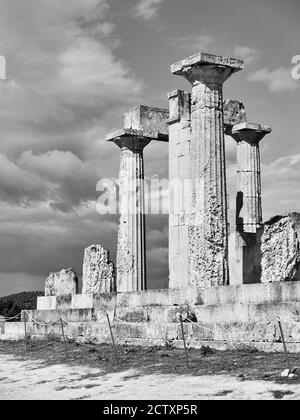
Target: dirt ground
(49,369)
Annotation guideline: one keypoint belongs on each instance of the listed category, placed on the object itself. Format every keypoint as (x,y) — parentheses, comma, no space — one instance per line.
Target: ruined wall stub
(179,177)
(280,249)
(62,283)
(98,272)
(208,226)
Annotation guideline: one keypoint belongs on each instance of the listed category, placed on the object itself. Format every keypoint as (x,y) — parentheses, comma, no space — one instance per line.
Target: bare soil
(51,369)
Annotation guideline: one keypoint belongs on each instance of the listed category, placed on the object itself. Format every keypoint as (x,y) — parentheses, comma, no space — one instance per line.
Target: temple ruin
(234,281)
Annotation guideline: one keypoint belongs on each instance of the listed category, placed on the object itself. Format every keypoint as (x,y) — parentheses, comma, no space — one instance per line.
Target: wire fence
(215,331)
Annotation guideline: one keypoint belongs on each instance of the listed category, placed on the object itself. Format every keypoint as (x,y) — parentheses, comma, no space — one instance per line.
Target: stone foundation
(232,317)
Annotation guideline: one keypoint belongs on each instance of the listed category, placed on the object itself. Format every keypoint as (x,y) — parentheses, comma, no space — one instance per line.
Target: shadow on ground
(245,364)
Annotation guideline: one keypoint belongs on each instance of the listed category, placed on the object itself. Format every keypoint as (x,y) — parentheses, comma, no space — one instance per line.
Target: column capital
(207,68)
(249,132)
(134,140)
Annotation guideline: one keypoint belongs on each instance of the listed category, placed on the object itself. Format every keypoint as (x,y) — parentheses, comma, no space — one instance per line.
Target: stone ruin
(231,279)
(62,284)
(98,274)
(280,249)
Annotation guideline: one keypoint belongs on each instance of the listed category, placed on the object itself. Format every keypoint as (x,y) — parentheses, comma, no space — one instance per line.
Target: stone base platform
(225,317)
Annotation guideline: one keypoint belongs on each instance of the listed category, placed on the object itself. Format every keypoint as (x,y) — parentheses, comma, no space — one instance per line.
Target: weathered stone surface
(61,284)
(248,201)
(98,272)
(245,257)
(179,176)
(203,58)
(234,113)
(149,119)
(131,254)
(208,225)
(280,249)
(142,125)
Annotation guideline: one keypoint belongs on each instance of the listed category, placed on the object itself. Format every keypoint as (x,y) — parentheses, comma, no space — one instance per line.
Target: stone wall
(280,249)
(98,271)
(61,284)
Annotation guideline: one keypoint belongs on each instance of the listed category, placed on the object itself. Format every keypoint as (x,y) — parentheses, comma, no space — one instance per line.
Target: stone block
(253,294)
(63,283)
(46,303)
(98,272)
(82,301)
(280,249)
(148,119)
(206,59)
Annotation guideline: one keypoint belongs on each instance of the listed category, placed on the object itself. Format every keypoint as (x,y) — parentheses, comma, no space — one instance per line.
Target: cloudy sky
(74,67)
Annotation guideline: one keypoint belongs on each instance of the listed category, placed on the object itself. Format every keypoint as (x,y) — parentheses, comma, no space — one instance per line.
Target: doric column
(208,230)
(248,201)
(179,177)
(131,255)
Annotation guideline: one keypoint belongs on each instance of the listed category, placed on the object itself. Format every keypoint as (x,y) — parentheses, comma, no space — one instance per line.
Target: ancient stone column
(131,255)
(208,230)
(248,201)
(142,125)
(179,177)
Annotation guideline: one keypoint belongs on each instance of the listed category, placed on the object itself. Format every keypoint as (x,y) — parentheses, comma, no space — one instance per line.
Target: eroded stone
(62,283)
(98,271)
(234,113)
(208,221)
(280,249)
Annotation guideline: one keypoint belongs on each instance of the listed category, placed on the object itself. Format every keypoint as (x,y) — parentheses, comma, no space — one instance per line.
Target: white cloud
(193,42)
(249,55)
(147,9)
(64,76)
(277,80)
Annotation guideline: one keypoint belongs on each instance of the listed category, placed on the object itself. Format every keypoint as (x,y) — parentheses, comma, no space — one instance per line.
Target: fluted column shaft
(131,254)
(249,203)
(179,177)
(249,211)
(208,224)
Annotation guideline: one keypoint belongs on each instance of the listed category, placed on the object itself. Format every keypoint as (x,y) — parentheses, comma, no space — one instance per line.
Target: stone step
(236,312)
(156,314)
(253,294)
(231,312)
(239,332)
(166,297)
(70,315)
(104,301)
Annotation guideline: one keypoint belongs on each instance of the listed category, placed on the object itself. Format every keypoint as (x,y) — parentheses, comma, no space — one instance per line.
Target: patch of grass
(279,395)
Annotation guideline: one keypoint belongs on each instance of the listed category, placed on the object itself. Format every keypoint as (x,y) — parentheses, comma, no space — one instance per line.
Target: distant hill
(12,305)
